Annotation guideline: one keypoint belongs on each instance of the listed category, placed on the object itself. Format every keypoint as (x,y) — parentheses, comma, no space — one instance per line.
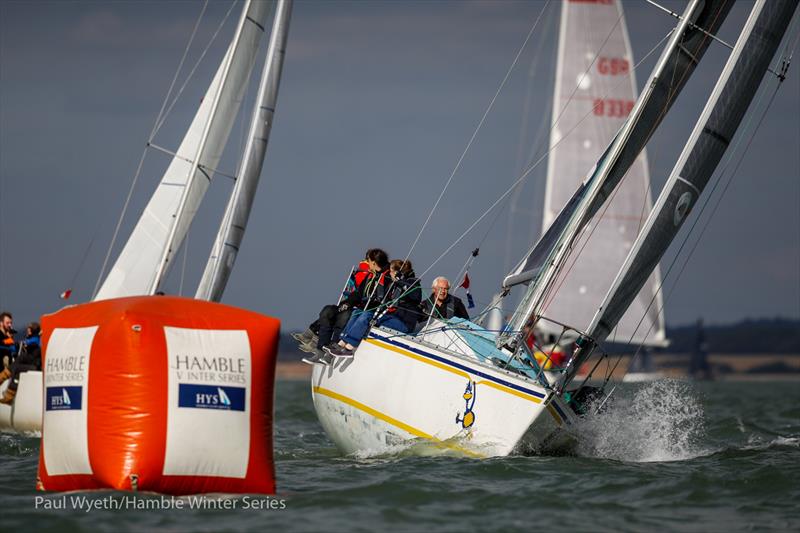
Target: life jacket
(357,277)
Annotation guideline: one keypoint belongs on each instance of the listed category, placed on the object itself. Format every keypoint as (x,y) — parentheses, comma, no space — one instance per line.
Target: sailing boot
(4,375)
(305,337)
(8,397)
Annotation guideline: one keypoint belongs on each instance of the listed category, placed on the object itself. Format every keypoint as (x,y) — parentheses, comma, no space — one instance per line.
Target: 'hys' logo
(64,398)
(468,419)
(211,397)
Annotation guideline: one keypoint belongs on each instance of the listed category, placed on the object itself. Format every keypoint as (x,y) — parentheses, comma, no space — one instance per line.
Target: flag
(465,284)
(66,294)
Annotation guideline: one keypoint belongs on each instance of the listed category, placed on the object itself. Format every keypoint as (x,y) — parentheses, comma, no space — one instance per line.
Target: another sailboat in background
(482,393)
(595,90)
(145,259)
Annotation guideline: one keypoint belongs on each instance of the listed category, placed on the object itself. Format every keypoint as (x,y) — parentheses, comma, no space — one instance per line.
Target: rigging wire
(530,169)
(191,72)
(553,289)
(477,129)
(721,177)
(160,118)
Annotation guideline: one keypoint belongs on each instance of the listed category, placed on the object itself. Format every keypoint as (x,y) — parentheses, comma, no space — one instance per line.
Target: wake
(658,421)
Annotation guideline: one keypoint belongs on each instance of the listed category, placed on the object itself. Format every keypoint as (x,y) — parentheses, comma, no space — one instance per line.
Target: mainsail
(234,222)
(594,53)
(710,138)
(687,45)
(143,262)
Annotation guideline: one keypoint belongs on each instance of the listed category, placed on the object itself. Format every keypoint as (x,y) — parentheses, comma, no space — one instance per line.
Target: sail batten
(146,257)
(234,223)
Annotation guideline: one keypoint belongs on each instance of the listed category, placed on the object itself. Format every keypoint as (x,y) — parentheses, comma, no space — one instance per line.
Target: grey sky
(377,102)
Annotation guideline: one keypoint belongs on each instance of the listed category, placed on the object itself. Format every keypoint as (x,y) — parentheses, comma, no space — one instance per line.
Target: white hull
(400,390)
(25,414)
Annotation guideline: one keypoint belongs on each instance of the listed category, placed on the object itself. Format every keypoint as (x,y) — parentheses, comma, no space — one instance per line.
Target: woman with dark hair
(29,358)
(332,319)
(401,299)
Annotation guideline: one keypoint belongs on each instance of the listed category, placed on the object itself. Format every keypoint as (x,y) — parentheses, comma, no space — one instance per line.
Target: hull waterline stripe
(553,414)
(560,412)
(393,421)
(452,364)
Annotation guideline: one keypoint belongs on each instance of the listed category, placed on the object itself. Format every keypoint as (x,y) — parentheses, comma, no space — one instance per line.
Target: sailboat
(144,261)
(481,393)
(594,48)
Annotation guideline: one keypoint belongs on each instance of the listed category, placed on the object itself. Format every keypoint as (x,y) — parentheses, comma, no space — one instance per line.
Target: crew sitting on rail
(29,358)
(333,319)
(308,339)
(440,304)
(401,300)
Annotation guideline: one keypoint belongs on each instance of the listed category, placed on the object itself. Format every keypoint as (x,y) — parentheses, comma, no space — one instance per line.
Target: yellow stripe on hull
(452,370)
(394,422)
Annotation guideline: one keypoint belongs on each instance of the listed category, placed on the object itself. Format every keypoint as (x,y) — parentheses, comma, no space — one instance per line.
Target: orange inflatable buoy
(158,393)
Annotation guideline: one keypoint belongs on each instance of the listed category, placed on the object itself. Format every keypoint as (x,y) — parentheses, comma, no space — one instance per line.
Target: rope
(162,115)
(191,73)
(552,291)
(475,133)
(156,125)
(720,178)
(531,168)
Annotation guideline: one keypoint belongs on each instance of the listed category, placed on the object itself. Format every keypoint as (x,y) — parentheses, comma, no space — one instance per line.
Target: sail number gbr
(612,66)
(612,107)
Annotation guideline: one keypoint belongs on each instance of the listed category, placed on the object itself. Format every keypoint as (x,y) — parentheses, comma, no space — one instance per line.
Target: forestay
(143,262)
(595,90)
(234,222)
(710,138)
(686,46)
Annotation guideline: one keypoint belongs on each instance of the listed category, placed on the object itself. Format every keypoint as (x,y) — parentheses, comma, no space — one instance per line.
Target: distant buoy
(158,393)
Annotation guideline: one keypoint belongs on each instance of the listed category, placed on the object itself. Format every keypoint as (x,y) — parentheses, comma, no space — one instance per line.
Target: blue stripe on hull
(453,364)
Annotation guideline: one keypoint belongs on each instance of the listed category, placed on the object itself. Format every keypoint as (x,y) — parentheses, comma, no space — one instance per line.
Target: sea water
(663,456)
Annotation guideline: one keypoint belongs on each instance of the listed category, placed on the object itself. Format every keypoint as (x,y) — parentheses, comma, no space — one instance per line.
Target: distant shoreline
(672,365)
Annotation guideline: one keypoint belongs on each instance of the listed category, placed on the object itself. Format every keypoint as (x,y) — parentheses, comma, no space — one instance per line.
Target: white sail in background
(553,255)
(234,222)
(146,257)
(714,131)
(594,54)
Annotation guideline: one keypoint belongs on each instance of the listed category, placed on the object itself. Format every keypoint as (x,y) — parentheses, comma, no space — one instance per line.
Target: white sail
(686,47)
(144,261)
(234,222)
(710,138)
(594,53)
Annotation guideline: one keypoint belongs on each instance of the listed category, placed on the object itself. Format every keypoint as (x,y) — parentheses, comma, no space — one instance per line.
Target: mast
(686,46)
(223,253)
(594,51)
(145,258)
(711,136)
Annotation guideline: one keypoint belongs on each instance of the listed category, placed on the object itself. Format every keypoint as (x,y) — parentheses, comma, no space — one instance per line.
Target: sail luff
(686,46)
(595,52)
(555,115)
(173,240)
(705,148)
(223,255)
(658,336)
(160,230)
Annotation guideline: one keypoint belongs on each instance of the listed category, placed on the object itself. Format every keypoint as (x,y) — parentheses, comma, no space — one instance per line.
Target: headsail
(594,51)
(231,232)
(684,50)
(713,132)
(143,262)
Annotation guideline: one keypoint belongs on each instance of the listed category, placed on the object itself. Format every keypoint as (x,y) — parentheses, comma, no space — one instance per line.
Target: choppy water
(668,456)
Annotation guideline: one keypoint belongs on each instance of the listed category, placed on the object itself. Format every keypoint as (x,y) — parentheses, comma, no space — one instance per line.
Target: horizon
(377,102)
